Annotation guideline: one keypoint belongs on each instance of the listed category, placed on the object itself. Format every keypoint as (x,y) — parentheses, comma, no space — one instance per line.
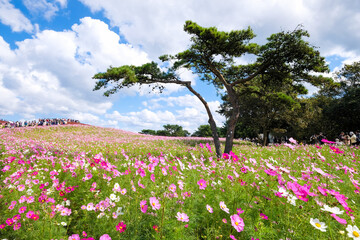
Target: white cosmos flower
(283,191)
(292,199)
(353,232)
(119,211)
(334,210)
(223,207)
(318,225)
(112,197)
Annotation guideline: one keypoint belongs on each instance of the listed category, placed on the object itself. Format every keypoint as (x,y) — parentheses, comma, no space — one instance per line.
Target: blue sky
(50,49)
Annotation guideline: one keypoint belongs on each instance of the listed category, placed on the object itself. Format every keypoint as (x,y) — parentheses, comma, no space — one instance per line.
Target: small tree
(212,55)
(148,132)
(203,131)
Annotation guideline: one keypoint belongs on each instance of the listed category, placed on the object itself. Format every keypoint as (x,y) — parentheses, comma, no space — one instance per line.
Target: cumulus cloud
(11,16)
(51,73)
(186,111)
(44,7)
(157,25)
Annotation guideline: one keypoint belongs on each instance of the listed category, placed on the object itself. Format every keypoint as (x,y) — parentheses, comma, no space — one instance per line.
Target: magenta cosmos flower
(121,227)
(182,217)
(202,184)
(263,216)
(237,222)
(154,203)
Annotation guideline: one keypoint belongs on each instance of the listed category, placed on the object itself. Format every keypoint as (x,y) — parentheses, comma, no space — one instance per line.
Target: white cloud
(44,7)
(11,16)
(190,116)
(157,25)
(51,73)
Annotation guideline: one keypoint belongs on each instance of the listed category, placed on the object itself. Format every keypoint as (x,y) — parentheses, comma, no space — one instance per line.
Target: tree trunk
(211,120)
(215,136)
(265,139)
(231,129)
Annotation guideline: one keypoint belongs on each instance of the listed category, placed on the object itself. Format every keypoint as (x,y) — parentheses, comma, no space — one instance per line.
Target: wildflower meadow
(84,182)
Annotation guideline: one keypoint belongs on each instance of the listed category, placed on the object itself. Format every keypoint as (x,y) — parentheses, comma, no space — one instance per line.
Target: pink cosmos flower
(105,237)
(29,214)
(143,206)
(263,216)
(223,207)
(140,184)
(172,188)
(164,172)
(121,227)
(30,199)
(152,177)
(271,172)
(17,226)
(22,209)
(237,222)
(292,140)
(65,212)
(202,184)
(9,221)
(209,208)
(16,217)
(239,211)
(233,237)
(22,199)
(154,203)
(289,146)
(21,188)
(151,168)
(208,147)
(340,220)
(225,156)
(181,184)
(123,191)
(74,237)
(224,220)
(182,217)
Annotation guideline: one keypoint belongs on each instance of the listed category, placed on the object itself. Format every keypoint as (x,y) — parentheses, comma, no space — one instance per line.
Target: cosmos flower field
(84,182)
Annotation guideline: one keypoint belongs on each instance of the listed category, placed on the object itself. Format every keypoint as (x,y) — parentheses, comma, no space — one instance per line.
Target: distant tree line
(171,130)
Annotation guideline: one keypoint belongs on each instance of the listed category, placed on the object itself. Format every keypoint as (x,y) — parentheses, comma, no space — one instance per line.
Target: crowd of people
(345,138)
(39,122)
(350,138)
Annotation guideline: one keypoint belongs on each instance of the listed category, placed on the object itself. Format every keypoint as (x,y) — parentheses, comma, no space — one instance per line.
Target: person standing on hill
(357,137)
(352,139)
(321,137)
(347,139)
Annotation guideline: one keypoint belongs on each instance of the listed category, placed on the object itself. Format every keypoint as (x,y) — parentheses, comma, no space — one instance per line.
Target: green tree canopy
(172,130)
(203,131)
